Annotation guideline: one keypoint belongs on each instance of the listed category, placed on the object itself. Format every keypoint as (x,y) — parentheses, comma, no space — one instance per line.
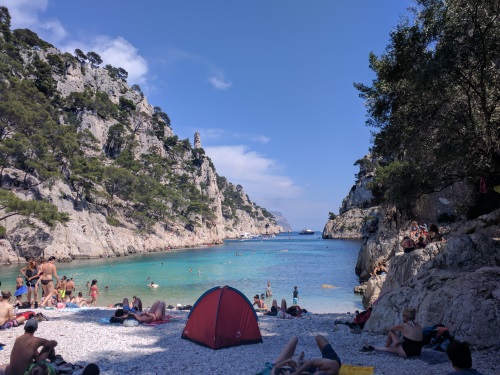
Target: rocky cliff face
(90,233)
(281,221)
(455,283)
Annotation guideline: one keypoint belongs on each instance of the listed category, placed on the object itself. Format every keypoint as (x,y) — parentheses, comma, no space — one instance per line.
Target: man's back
(6,311)
(23,353)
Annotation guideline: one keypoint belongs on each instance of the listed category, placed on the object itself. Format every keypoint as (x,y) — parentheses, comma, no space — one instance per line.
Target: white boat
(246,236)
(306,231)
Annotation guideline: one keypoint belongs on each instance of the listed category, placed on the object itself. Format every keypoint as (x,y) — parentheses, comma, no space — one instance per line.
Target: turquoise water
(287,260)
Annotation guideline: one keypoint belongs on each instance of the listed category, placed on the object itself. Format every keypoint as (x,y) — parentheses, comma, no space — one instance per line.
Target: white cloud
(115,51)
(261,177)
(218,80)
(216,76)
(25,15)
(261,139)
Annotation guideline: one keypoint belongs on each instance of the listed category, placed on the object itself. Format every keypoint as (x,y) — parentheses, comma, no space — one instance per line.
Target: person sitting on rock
(433,235)
(412,340)
(408,245)
(414,230)
(421,244)
(379,269)
(460,358)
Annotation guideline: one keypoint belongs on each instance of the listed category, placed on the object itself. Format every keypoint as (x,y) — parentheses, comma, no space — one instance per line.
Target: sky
(267,84)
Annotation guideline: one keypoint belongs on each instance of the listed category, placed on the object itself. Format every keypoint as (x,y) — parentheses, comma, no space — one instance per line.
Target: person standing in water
(295,295)
(269,291)
(94,292)
(46,270)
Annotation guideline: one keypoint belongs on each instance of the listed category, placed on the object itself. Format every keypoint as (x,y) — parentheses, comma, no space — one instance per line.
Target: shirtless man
(7,317)
(70,286)
(328,364)
(25,350)
(46,271)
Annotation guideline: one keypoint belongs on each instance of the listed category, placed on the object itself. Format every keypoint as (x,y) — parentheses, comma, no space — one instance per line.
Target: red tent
(222,317)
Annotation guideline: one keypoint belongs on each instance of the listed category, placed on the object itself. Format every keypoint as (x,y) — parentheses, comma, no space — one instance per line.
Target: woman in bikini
(156,313)
(412,337)
(45,272)
(94,292)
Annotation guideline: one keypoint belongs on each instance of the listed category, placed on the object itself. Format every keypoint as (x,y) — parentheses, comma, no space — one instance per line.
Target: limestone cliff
(455,282)
(198,206)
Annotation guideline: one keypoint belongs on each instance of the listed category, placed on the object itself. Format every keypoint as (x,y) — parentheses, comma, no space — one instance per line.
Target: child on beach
(94,292)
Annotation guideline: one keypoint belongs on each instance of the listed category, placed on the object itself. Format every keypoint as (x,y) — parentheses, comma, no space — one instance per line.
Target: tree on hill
(44,211)
(435,101)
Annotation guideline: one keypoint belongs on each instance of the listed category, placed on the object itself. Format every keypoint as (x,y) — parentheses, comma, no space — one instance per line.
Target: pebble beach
(84,337)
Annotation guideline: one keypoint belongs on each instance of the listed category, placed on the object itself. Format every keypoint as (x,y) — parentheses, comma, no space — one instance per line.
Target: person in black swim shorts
(328,364)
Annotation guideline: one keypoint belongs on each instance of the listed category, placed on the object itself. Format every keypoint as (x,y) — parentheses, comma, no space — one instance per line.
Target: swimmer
(190,270)
(153,285)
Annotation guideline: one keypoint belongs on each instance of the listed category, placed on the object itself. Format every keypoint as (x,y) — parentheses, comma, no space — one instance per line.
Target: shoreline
(117,349)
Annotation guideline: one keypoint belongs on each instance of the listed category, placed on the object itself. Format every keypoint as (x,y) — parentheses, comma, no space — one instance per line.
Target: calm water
(287,260)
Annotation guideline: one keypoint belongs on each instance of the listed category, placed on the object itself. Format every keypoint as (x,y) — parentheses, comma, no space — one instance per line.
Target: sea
(322,270)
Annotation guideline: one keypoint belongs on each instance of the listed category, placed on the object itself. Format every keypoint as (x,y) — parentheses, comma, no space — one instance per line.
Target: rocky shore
(83,338)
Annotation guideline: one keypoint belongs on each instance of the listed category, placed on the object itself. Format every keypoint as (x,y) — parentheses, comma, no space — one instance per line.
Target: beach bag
(362,317)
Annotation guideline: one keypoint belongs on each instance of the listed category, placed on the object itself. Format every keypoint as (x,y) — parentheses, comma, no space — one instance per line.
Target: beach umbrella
(21,290)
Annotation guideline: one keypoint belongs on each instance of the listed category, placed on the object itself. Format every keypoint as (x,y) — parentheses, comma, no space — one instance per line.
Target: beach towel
(356,370)
(344,370)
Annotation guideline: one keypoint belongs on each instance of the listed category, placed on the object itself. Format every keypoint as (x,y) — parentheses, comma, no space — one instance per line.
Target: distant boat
(306,231)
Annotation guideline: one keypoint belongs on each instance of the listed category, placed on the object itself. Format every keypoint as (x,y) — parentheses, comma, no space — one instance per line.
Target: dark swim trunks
(411,347)
(68,292)
(329,353)
(45,282)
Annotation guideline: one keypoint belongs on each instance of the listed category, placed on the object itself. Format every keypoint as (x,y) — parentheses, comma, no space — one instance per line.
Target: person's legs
(46,353)
(396,349)
(283,305)
(138,304)
(327,350)
(392,339)
(288,350)
(35,293)
(154,307)
(47,292)
(28,295)
(125,303)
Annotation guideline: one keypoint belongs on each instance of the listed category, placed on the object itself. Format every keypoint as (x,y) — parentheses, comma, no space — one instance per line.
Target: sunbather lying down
(328,364)
(156,313)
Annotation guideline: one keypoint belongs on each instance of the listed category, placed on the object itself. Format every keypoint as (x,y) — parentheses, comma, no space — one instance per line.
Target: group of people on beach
(41,274)
(405,339)
(419,236)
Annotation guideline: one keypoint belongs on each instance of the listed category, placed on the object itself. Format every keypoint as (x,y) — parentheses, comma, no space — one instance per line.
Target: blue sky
(267,84)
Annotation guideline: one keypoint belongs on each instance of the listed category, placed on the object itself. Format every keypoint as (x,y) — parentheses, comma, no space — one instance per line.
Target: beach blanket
(344,370)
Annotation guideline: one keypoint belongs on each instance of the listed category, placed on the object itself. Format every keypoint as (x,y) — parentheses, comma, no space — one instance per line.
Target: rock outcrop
(455,283)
